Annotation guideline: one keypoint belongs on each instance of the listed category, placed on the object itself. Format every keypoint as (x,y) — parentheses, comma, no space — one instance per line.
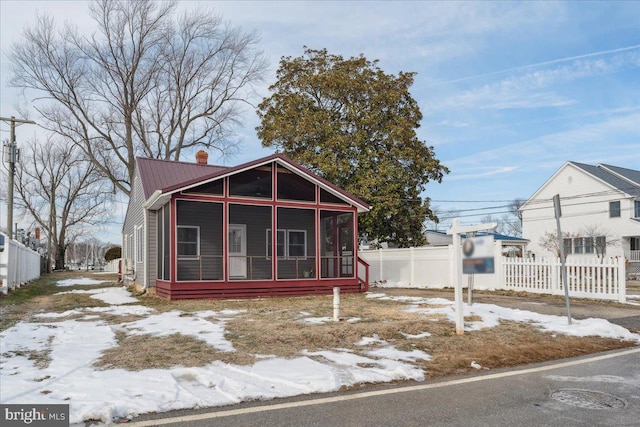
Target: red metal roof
(171,176)
(156,174)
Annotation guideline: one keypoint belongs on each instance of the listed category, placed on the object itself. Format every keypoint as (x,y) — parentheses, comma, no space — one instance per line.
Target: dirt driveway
(626,315)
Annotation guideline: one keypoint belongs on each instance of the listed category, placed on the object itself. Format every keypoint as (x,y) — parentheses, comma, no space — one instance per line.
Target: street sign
(477,255)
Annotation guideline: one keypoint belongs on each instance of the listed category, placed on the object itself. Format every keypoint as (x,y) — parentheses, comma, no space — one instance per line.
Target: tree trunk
(60,253)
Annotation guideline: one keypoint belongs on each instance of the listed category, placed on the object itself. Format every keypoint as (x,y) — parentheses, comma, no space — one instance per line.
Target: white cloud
(585,143)
(530,90)
(480,172)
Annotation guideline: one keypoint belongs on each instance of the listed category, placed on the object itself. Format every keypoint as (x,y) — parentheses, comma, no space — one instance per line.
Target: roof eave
(156,200)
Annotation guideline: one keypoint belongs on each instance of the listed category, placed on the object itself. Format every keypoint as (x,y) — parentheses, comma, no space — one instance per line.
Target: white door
(237,251)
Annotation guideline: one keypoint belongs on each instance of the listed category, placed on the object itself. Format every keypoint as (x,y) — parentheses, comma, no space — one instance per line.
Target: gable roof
(624,180)
(161,178)
(156,174)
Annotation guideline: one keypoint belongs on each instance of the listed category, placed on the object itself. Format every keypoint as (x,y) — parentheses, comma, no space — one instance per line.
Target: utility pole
(11,154)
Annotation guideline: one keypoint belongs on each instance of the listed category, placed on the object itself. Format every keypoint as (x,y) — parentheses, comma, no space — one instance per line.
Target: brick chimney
(202,157)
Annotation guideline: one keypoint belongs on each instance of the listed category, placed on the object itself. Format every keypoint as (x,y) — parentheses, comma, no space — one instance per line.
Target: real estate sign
(477,255)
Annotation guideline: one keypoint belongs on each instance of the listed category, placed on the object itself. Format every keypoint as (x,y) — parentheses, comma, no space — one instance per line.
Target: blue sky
(509,91)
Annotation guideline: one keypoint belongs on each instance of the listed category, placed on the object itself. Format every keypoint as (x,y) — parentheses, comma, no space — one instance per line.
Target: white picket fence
(430,267)
(113,265)
(18,265)
(586,278)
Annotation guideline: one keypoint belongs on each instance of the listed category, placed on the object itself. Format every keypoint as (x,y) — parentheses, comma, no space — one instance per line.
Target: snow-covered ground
(72,346)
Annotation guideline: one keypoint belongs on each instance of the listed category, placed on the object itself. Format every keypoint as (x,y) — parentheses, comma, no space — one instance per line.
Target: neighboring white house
(603,198)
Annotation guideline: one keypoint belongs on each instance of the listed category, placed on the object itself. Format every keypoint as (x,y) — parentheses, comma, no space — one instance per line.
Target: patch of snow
(317,320)
(377,296)
(375,339)
(58,315)
(82,281)
(122,310)
(177,322)
(354,369)
(113,296)
(395,354)
(417,336)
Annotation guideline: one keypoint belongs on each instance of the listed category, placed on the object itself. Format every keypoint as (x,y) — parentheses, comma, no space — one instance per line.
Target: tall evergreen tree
(355,125)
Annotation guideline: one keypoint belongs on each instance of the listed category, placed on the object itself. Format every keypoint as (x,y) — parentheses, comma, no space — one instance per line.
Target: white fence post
(499,265)
(380,264)
(554,271)
(412,260)
(622,277)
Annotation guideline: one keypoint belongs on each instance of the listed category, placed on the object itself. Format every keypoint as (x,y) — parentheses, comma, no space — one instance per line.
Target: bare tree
(513,220)
(509,223)
(441,217)
(549,241)
(600,238)
(63,192)
(147,82)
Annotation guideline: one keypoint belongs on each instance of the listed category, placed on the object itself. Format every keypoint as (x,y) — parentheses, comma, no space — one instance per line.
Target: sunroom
(215,235)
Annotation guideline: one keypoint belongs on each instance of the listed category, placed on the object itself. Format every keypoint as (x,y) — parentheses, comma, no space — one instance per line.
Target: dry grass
(276,326)
(138,352)
(38,297)
(509,344)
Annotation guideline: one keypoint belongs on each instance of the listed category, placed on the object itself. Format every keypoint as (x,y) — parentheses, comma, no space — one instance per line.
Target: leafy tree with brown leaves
(355,125)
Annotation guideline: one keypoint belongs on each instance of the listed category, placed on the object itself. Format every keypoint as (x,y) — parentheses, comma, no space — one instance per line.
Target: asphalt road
(601,390)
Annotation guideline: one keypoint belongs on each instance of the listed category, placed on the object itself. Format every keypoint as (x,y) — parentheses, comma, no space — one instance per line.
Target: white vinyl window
(614,209)
(297,244)
(290,244)
(139,233)
(188,241)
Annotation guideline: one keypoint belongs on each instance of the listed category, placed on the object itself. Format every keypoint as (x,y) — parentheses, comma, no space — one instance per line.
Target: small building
(511,245)
(194,230)
(600,208)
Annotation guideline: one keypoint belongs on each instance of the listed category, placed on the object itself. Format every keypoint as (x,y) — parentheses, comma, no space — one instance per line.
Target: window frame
(304,245)
(636,208)
(197,242)
(286,244)
(139,243)
(578,246)
(589,245)
(614,209)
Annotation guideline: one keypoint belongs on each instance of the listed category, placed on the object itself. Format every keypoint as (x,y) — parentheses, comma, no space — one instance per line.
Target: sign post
(456,269)
(558,213)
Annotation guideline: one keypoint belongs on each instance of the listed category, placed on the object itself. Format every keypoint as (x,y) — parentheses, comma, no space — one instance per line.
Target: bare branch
(147,82)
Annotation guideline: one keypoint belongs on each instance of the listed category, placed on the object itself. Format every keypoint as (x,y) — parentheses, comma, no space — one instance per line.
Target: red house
(194,230)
